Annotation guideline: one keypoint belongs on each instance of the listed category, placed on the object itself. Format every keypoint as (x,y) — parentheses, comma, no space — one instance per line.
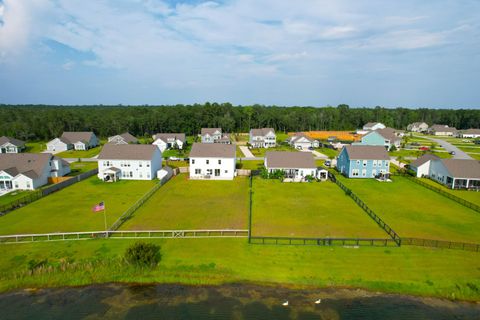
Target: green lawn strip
(35,147)
(415,211)
(194,204)
(69,209)
(474,155)
(250,164)
(452,274)
(469,149)
(81,167)
(472,196)
(331,153)
(12,196)
(260,152)
(308,210)
(175,163)
(80,153)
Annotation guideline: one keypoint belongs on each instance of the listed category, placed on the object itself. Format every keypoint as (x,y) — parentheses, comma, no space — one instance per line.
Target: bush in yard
(143,254)
(309,178)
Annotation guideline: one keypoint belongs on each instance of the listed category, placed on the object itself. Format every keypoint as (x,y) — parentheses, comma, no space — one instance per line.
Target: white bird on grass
(318,301)
(285,303)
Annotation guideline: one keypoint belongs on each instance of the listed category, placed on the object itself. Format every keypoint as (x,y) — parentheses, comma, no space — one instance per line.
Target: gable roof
(423,159)
(364,152)
(468,131)
(210,131)
(300,135)
(15,142)
(371,124)
(289,159)
(126,136)
(72,137)
(127,152)
(30,164)
(462,168)
(212,150)
(165,136)
(261,131)
(388,134)
(442,128)
(417,124)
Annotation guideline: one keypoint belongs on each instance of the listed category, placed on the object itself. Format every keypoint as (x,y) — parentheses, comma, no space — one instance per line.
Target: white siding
(205,168)
(133,169)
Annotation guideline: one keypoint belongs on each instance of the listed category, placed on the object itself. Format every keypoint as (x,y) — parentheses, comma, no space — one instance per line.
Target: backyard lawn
(12,196)
(35,147)
(472,196)
(81,167)
(308,210)
(80,153)
(250,164)
(415,211)
(194,204)
(260,152)
(70,209)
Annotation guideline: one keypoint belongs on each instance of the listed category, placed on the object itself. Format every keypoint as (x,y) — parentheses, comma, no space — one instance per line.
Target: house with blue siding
(386,137)
(363,161)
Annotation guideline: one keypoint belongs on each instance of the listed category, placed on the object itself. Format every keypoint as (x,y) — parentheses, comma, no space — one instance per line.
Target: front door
(217,172)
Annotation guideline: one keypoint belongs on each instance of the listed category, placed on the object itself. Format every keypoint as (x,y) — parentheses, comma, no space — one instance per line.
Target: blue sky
(423,53)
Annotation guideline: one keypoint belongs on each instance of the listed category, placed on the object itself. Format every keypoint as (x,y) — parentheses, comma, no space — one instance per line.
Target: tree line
(43,122)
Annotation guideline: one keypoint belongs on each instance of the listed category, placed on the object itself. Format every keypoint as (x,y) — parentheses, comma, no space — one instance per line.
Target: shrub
(143,254)
(309,178)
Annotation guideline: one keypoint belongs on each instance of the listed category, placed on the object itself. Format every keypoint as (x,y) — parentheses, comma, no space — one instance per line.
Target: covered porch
(463,183)
(111,174)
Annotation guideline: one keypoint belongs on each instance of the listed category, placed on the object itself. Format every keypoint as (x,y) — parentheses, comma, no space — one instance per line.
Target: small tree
(143,254)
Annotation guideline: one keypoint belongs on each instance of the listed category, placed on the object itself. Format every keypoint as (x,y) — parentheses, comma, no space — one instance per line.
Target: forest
(43,122)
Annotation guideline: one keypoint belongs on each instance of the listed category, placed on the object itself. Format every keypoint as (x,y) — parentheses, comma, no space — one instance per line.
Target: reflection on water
(224,302)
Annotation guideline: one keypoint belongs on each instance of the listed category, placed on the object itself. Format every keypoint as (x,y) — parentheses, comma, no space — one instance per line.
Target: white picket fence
(127,234)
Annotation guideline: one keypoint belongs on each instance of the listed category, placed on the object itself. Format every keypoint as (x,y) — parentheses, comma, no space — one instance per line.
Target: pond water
(223,302)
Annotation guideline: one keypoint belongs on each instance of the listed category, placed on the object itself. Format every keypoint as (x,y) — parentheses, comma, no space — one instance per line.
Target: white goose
(285,303)
(318,301)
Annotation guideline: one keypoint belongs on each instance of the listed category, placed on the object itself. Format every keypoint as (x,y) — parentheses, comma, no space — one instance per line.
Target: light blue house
(382,137)
(362,161)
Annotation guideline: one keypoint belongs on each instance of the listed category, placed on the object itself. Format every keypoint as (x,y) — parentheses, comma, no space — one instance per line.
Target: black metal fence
(345,242)
(395,237)
(444,193)
(38,194)
(441,244)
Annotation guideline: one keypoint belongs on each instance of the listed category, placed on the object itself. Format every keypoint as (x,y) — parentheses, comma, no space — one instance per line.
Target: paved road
(459,154)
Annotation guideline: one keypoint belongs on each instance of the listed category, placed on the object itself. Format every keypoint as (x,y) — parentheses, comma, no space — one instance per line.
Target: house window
(226,171)
(208,161)
(140,164)
(364,163)
(198,171)
(217,172)
(140,175)
(209,172)
(355,173)
(28,184)
(374,163)
(193,161)
(219,161)
(364,173)
(358,161)
(148,164)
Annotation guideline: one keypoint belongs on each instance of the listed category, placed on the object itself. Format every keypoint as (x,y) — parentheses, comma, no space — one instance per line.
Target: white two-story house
(369,126)
(214,161)
(295,165)
(129,162)
(166,141)
(29,171)
(73,140)
(11,145)
(123,138)
(263,138)
(211,135)
(301,141)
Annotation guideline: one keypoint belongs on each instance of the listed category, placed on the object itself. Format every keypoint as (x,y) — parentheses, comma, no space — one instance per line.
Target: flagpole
(105,214)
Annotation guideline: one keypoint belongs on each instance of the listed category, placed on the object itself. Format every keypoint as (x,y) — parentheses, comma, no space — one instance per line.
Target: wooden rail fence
(127,234)
(372,242)
(441,244)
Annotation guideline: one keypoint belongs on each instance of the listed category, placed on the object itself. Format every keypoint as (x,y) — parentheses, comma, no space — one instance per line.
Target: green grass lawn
(260,152)
(472,196)
(70,209)
(417,153)
(175,164)
(80,153)
(475,149)
(415,211)
(308,210)
(35,147)
(12,196)
(328,152)
(194,204)
(81,167)
(452,274)
(474,155)
(250,164)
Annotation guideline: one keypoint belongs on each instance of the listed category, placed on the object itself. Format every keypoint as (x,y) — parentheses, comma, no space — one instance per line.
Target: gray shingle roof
(15,142)
(213,150)
(468,131)
(462,168)
(299,135)
(165,136)
(127,152)
(370,124)
(289,160)
(72,137)
(261,131)
(364,152)
(442,128)
(423,159)
(210,131)
(388,133)
(126,136)
(30,164)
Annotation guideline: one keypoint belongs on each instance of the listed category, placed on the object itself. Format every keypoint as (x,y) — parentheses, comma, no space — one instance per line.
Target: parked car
(424,148)
(310,148)
(452,153)
(328,163)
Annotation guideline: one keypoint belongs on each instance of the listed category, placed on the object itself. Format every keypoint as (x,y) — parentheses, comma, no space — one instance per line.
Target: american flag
(99,207)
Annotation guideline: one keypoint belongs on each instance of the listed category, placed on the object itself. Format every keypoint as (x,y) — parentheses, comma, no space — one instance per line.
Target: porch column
(453,183)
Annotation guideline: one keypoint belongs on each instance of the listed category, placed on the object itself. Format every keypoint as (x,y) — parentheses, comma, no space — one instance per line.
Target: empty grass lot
(308,210)
(81,167)
(472,196)
(415,211)
(194,204)
(70,209)
(260,152)
(80,153)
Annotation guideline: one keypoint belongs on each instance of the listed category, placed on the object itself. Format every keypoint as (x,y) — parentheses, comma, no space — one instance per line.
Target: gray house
(11,145)
(263,138)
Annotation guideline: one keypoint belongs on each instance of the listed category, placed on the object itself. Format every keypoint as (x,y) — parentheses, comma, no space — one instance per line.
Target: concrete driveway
(459,154)
(246,152)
